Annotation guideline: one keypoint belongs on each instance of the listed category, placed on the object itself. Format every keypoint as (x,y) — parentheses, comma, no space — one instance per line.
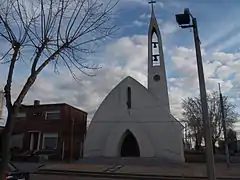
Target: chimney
(36,102)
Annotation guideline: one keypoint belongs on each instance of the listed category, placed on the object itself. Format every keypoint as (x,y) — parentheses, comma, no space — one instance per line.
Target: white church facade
(135,121)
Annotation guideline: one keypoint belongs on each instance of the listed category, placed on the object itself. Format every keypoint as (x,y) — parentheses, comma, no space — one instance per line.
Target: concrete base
(130,161)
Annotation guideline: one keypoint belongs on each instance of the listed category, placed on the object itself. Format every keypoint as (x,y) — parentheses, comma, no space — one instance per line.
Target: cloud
(221,33)
(168,27)
(229,43)
(184,61)
(144,16)
(225,57)
(128,56)
(144,3)
(138,23)
(222,29)
(216,71)
(224,72)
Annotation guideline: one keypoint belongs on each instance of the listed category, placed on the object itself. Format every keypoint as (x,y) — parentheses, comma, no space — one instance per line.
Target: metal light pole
(224,128)
(184,22)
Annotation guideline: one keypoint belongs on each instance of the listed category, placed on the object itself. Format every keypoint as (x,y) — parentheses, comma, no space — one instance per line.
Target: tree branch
(7,88)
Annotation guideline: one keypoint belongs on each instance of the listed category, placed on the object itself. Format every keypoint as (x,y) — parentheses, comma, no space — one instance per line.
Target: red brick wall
(63,126)
(79,133)
(74,132)
(32,123)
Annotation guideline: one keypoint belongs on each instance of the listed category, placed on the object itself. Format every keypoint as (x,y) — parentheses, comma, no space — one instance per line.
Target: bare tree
(192,114)
(43,32)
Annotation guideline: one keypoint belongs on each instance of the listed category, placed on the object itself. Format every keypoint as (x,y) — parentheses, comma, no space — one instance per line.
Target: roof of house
(55,104)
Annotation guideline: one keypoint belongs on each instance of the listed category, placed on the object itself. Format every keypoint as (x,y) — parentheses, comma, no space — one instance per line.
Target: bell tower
(157,80)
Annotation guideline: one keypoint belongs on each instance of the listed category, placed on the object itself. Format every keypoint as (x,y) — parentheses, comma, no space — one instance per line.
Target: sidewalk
(76,167)
(186,170)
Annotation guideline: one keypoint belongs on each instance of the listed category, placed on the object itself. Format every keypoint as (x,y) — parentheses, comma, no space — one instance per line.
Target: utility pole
(203,94)
(224,127)
(182,20)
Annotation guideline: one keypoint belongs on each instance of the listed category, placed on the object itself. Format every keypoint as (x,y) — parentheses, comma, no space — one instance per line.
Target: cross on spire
(152,2)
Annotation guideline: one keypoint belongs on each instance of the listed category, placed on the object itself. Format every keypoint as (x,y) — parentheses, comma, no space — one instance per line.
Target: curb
(125,175)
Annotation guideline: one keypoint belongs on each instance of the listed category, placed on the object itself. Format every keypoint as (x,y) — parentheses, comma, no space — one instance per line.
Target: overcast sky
(126,54)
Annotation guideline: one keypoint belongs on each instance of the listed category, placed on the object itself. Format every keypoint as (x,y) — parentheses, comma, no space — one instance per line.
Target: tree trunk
(197,144)
(6,138)
(214,146)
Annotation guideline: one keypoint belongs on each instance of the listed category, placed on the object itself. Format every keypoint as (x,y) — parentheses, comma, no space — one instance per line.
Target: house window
(37,114)
(21,115)
(50,141)
(16,141)
(52,115)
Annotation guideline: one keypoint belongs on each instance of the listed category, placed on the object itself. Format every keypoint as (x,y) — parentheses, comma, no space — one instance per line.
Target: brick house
(50,126)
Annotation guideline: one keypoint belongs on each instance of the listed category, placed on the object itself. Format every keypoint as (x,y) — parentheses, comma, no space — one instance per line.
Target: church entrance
(129,146)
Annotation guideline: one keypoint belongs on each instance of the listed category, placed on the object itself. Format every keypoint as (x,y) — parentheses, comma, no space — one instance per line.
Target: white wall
(157,133)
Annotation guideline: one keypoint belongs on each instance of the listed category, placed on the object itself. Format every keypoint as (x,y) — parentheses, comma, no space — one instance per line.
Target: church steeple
(152,2)
(157,81)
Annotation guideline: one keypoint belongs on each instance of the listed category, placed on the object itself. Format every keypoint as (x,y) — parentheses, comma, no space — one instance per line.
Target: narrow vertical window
(129,101)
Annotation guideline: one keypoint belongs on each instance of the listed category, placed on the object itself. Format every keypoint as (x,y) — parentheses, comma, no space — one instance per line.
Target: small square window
(37,113)
(50,141)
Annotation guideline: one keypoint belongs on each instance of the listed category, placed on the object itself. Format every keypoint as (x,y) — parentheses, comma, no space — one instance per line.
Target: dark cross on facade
(152,2)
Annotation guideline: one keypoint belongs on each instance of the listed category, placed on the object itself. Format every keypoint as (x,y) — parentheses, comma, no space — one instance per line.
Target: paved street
(65,177)
(71,177)
(55,177)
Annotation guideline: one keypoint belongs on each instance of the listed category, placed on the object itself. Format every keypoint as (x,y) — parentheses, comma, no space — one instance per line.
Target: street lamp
(184,22)
(183,19)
